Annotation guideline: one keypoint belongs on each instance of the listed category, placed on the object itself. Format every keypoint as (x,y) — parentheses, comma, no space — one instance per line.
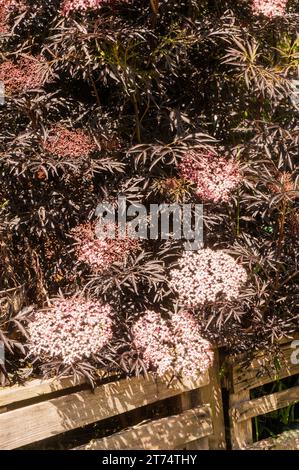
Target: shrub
(158,101)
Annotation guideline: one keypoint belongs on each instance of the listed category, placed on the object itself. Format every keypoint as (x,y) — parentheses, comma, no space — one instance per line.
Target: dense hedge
(161,101)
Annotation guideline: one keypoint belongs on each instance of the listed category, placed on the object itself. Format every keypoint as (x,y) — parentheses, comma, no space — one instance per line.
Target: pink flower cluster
(65,143)
(194,354)
(4,13)
(25,75)
(153,337)
(69,6)
(175,346)
(270,8)
(70,330)
(100,253)
(6,8)
(284,183)
(215,178)
(204,275)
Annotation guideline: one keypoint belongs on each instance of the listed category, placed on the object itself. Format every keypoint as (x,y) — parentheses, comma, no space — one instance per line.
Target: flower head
(174,346)
(269,8)
(204,275)
(26,74)
(215,178)
(284,183)
(69,6)
(153,338)
(7,7)
(100,253)
(194,354)
(65,143)
(71,330)
(4,13)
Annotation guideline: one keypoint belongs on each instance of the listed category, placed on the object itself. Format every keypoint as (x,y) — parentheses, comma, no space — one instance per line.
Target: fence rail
(43,409)
(192,418)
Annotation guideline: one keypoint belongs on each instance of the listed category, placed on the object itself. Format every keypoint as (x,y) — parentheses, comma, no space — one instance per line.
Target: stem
(95,90)
(136,110)
(281,234)
(146,111)
(238,217)
(281,222)
(155,10)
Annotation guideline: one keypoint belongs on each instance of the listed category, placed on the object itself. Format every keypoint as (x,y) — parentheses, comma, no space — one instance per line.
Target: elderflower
(71,330)
(174,346)
(204,275)
(215,178)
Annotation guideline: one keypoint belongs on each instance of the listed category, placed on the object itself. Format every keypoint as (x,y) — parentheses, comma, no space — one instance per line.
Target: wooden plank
(212,394)
(164,434)
(199,444)
(186,403)
(288,440)
(241,433)
(34,388)
(39,387)
(252,377)
(52,417)
(261,406)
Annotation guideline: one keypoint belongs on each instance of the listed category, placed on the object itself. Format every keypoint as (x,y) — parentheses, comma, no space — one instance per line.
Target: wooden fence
(192,417)
(43,409)
(242,408)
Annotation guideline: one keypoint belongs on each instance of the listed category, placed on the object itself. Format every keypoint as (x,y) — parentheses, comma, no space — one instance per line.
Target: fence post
(212,394)
(241,433)
(186,404)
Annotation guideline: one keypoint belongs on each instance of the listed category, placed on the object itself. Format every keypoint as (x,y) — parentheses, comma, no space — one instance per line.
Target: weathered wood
(252,377)
(212,394)
(33,389)
(288,440)
(187,402)
(261,406)
(58,415)
(241,432)
(39,387)
(199,444)
(242,380)
(168,433)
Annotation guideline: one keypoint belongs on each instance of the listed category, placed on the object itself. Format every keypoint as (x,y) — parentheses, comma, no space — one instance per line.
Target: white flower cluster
(205,274)
(174,346)
(70,330)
